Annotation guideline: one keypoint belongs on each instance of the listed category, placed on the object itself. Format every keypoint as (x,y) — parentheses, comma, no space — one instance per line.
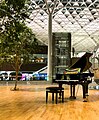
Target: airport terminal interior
(61,80)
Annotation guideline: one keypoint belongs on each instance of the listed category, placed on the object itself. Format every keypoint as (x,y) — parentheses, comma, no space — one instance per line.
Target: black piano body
(83,78)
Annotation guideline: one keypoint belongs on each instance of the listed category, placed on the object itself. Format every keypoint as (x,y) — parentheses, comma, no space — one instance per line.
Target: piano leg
(72,91)
(87,83)
(85,91)
(84,96)
(60,86)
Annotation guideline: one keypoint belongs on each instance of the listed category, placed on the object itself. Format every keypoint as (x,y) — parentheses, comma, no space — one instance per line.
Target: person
(96,75)
(73,51)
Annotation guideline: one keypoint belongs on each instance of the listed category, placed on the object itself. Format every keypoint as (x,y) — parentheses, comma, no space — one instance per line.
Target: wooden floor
(29,104)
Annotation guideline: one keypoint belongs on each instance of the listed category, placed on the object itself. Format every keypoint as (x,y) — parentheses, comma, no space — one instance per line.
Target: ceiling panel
(80,17)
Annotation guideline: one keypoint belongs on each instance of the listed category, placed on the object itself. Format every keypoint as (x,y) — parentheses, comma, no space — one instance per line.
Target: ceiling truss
(79,17)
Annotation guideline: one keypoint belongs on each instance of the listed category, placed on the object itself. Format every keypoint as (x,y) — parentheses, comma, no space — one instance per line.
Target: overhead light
(67,13)
(53,16)
(76,4)
(81,15)
(64,2)
(90,8)
(49,1)
(89,1)
(71,10)
(41,3)
(90,19)
(78,10)
(97,7)
(41,12)
(80,0)
(83,5)
(74,14)
(60,5)
(59,22)
(55,10)
(93,11)
(63,10)
(95,17)
(68,5)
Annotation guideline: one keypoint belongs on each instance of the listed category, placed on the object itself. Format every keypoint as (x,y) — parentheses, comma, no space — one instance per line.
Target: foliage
(15,37)
(17,42)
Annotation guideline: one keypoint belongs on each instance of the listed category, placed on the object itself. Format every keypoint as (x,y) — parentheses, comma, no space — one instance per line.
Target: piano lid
(83,62)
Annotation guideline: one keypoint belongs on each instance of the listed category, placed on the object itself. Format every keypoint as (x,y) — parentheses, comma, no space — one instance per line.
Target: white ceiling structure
(79,17)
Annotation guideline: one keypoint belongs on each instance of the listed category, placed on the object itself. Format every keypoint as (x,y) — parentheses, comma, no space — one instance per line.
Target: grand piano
(83,77)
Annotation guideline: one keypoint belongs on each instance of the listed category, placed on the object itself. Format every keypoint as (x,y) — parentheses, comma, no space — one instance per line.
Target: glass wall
(22,76)
(38,59)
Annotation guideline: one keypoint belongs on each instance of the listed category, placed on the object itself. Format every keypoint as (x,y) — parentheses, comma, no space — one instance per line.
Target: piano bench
(55,90)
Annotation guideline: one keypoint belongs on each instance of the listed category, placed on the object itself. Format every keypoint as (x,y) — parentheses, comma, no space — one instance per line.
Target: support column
(50,47)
